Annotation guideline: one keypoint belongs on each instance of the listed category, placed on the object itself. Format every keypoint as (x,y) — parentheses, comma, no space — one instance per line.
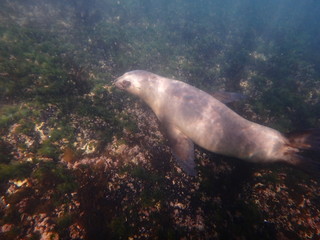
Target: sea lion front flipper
(182,149)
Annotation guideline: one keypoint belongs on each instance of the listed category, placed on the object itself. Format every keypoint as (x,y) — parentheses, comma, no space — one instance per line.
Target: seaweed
(53,175)
(63,223)
(5,152)
(48,149)
(15,171)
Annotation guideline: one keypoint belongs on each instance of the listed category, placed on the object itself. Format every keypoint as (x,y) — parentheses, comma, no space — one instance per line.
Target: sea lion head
(135,82)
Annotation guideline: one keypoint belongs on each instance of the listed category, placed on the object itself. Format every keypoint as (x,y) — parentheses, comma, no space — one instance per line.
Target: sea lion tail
(305,150)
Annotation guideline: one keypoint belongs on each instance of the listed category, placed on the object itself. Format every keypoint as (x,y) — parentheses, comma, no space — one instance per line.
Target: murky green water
(82,160)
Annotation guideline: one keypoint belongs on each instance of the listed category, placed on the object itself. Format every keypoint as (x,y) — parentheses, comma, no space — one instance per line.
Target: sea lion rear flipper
(182,149)
(306,145)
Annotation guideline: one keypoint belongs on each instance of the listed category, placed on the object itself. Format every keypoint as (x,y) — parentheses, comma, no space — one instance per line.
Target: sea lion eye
(125,84)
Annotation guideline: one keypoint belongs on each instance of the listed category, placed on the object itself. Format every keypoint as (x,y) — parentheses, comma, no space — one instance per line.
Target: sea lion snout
(122,83)
(133,82)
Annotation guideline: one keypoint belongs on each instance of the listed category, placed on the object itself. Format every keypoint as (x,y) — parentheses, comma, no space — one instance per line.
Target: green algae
(119,228)
(10,114)
(63,223)
(53,175)
(49,150)
(15,171)
(5,152)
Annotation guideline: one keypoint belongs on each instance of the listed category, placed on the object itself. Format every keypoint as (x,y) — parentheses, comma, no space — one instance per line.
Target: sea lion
(189,115)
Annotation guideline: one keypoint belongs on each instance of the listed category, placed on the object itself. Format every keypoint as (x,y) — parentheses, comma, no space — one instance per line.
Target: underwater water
(80,159)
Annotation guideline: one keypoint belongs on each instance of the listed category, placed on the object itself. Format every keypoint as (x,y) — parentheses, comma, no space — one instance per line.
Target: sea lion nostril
(125,84)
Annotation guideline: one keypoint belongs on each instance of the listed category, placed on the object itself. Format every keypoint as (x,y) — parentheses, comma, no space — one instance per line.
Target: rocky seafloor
(132,189)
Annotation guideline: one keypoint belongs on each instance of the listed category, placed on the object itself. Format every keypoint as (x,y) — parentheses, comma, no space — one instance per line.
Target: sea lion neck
(154,90)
